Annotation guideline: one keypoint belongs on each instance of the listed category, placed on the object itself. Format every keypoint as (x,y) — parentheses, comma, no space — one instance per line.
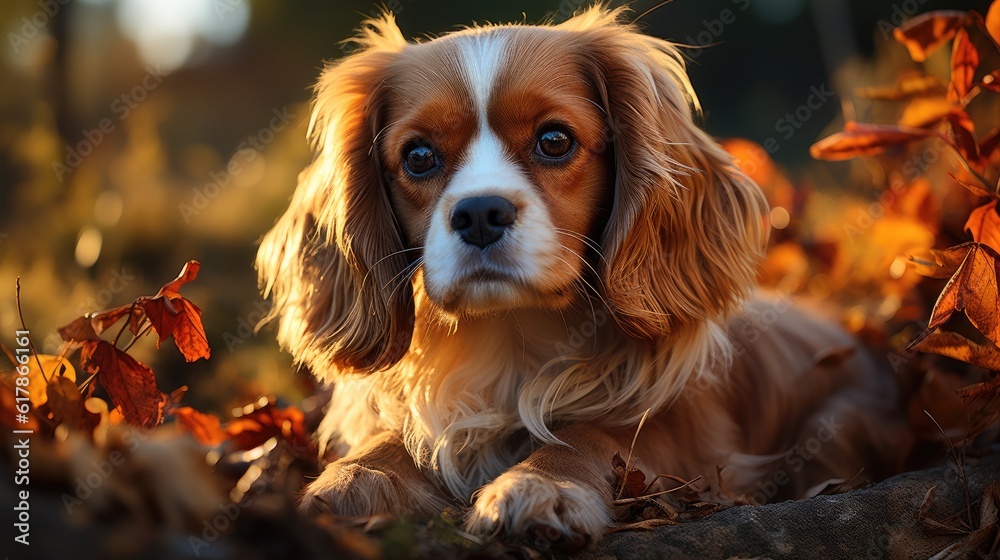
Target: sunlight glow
(168,33)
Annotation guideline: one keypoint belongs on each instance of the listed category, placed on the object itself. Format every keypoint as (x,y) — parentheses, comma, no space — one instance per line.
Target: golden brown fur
(621,289)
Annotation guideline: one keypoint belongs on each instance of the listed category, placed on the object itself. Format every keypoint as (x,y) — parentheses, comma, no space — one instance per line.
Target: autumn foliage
(971,269)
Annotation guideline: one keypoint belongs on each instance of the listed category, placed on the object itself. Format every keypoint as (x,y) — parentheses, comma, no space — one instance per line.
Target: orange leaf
(984,225)
(925,112)
(989,143)
(972,291)
(862,139)
(954,345)
(188,273)
(205,428)
(964,61)
(924,34)
(65,402)
(79,331)
(940,263)
(914,84)
(268,421)
(993,21)
(975,188)
(178,317)
(130,384)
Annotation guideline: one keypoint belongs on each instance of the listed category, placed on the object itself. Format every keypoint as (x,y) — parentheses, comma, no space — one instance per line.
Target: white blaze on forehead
(481,56)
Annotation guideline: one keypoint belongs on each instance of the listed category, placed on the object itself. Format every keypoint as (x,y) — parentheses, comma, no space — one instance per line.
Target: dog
(513,243)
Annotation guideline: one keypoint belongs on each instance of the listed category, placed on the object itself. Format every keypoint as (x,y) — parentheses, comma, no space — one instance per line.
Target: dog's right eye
(420,160)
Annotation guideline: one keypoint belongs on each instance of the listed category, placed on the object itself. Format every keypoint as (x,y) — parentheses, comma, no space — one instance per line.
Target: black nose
(481,220)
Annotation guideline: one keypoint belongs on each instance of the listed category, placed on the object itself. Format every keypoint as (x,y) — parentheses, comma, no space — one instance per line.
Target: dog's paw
(531,506)
(348,488)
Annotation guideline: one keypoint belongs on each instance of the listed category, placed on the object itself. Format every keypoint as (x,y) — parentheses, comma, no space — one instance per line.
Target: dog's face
(498,166)
(516,167)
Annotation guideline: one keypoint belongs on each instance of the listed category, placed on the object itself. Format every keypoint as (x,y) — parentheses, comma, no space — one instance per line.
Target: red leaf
(964,61)
(266,422)
(924,34)
(80,330)
(131,385)
(205,428)
(173,315)
(188,273)
(863,139)
(178,317)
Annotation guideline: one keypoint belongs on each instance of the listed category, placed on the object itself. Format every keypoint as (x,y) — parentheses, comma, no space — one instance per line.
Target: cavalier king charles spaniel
(512,244)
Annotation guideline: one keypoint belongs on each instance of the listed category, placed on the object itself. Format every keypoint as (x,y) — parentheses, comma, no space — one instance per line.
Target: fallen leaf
(954,345)
(130,384)
(266,421)
(630,482)
(964,62)
(924,34)
(206,428)
(863,139)
(940,263)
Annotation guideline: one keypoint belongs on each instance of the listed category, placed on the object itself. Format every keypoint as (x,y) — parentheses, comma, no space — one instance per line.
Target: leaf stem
(31,345)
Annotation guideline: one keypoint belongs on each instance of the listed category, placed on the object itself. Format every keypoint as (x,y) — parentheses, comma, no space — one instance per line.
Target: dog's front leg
(560,494)
(381,477)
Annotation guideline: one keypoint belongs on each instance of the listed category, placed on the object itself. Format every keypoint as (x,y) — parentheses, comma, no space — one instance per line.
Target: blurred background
(138,134)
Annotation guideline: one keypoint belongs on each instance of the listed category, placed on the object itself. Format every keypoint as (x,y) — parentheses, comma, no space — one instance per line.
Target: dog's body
(512,244)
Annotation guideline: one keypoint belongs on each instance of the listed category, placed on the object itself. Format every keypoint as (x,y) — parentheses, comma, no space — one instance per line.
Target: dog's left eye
(554,143)
(420,161)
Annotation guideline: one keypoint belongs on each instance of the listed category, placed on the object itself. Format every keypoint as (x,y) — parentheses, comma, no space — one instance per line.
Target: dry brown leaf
(954,345)
(924,34)
(630,482)
(972,291)
(863,139)
(963,136)
(131,385)
(940,263)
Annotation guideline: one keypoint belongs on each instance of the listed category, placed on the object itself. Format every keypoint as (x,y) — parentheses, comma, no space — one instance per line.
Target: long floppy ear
(333,263)
(687,231)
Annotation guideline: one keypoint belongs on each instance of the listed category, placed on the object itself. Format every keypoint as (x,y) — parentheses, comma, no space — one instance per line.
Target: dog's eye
(554,143)
(420,161)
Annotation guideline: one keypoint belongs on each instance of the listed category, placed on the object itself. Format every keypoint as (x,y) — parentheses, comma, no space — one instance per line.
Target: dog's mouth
(486,289)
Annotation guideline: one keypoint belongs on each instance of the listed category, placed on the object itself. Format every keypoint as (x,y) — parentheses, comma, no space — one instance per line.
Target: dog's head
(513,166)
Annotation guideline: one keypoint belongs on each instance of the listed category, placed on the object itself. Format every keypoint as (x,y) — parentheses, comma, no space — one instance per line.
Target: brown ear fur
(333,263)
(687,231)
